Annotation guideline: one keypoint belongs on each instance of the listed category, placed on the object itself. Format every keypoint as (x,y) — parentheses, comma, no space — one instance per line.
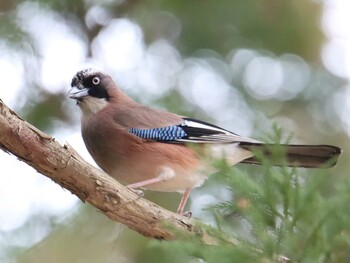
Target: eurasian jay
(151,149)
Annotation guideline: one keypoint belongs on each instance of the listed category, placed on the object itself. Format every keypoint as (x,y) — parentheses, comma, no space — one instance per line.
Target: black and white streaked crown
(82,75)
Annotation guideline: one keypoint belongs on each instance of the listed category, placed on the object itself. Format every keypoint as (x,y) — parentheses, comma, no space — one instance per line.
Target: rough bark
(65,167)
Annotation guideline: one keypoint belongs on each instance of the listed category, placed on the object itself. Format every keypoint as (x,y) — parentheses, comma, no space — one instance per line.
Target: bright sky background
(37,193)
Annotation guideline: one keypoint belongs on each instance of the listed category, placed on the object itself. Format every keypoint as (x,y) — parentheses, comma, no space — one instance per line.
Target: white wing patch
(202,125)
(202,132)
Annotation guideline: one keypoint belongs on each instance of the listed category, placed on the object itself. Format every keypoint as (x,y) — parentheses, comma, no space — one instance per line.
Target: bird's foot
(187,214)
(139,192)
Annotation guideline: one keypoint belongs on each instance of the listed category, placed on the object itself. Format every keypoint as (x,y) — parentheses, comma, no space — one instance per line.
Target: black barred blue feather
(169,133)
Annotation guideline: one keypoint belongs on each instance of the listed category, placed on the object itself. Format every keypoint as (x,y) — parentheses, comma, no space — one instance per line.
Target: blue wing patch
(170,133)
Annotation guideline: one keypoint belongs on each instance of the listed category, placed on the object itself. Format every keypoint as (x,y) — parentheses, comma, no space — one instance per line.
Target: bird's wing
(190,130)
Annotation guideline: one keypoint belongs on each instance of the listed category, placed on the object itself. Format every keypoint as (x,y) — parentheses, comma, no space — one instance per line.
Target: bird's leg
(183,202)
(165,174)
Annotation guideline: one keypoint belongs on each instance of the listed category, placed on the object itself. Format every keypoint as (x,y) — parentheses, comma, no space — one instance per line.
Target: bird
(152,149)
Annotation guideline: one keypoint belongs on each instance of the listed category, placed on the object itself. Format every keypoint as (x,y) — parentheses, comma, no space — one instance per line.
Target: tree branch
(65,167)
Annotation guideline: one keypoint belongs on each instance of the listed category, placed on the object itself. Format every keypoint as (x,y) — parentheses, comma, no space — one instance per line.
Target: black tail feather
(308,156)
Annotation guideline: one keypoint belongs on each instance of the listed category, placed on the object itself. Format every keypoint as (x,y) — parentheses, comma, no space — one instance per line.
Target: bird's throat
(91,105)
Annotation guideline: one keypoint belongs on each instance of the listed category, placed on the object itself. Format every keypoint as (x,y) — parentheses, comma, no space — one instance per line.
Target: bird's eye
(96,80)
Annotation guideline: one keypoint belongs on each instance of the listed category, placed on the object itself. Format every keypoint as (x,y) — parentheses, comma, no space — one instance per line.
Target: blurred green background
(243,65)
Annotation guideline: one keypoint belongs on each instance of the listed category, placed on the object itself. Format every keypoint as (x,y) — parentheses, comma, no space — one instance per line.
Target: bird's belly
(137,162)
(180,181)
(181,176)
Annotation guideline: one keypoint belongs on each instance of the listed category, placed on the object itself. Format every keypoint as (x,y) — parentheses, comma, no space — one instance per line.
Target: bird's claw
(187,214)
(139,192)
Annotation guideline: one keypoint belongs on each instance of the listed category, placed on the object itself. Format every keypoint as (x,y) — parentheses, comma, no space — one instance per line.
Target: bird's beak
(78,93)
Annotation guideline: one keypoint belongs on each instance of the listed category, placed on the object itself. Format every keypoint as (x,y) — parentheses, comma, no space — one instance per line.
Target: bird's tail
(308,156)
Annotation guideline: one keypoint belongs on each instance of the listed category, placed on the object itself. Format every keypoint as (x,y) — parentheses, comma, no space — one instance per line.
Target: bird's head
(90,90)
